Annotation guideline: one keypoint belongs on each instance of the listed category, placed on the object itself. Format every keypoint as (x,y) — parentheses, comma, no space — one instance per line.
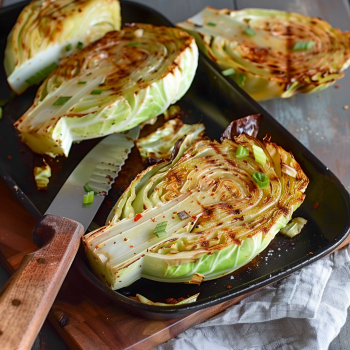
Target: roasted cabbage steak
(46,31)
(272,53)
(112,85)
(205,213)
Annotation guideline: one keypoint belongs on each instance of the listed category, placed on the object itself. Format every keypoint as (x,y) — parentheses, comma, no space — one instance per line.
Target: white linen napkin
(303,311)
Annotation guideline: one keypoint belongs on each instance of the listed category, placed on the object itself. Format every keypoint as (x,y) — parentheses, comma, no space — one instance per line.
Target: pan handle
(28,295)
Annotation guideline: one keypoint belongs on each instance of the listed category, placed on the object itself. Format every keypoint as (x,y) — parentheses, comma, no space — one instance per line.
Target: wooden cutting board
(84,318)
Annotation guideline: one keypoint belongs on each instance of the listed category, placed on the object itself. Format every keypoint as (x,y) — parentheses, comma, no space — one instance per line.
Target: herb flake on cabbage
(272,53)
(46,31)
(124,86)
(231,218)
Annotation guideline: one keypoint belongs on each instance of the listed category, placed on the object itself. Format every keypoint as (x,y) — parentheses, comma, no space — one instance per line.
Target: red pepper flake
(131,246)
(212,194)
(153,219)
(336,86)
(311,253)
(137,217)
(163,217)
(174,212)
(9,157)
(125,239)
(118,276)
(194,217)
(96,247)
(172,217)
(228,287)
(316,205)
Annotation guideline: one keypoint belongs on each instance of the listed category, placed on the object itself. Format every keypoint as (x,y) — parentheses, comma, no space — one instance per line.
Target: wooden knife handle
(27,297)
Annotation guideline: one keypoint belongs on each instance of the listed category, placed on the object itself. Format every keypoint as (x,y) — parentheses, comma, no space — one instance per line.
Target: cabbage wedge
(46,31)
(112,85)
(272,53)
(200,214)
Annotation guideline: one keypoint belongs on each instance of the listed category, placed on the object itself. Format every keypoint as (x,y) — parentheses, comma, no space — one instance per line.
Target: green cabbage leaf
(112,85)
(201,214)
(160,144)
(272,53)
(46,31)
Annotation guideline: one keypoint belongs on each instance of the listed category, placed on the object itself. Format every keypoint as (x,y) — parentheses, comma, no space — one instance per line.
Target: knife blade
(27,297)
(99,169)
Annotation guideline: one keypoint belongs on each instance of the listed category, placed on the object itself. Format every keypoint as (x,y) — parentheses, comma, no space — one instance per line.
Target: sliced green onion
(80,45)
(0,112)
(159,231)
(41,75)
(87,188)
(303,45)
(259,155)
(211,24)
(240,79)
(242,152)
(88,198)
(250,31)
(62,100)
(96,92)
(134,43)
(261,179)
(3,103)
(69,47)
(228,71)
(81,82)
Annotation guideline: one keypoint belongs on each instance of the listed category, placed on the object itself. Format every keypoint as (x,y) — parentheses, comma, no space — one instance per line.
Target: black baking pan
(216,101)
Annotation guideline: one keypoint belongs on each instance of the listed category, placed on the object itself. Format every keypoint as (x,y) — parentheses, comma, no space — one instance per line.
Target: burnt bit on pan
(249,125)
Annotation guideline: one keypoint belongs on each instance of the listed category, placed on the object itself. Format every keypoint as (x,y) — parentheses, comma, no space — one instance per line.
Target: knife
(28,295)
